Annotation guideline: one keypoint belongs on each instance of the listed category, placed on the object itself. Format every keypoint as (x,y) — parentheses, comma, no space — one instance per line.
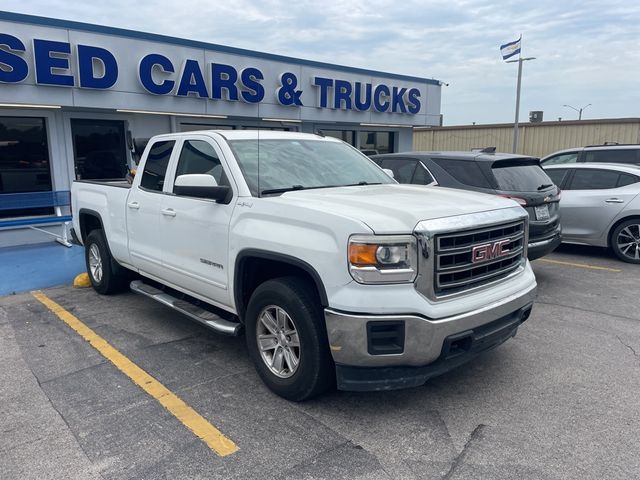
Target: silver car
(600,205)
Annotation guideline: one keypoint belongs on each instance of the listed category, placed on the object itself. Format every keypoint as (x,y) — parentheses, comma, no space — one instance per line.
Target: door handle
(169,212)
(134,205)
(614,200)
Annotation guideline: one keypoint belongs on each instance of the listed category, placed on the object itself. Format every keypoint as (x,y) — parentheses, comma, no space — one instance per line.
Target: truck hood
(395,208)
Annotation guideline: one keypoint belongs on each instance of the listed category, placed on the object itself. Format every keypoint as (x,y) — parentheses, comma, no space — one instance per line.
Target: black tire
(627,234)
(315,371)
(113,277)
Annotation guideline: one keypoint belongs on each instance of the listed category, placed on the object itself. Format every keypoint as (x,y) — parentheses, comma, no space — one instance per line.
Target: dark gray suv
(514,176)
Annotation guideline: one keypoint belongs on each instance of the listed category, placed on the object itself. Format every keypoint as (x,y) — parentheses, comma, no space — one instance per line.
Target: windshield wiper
(545,185)
(361,183)
(302,187)
(282,190)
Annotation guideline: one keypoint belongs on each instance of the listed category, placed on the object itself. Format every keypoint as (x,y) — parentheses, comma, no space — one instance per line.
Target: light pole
(515,123)
(579,110)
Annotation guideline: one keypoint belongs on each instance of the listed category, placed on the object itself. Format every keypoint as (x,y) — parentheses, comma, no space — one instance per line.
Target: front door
(195,231)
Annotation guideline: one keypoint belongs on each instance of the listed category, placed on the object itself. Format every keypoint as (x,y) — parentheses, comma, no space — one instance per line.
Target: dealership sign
(63,64)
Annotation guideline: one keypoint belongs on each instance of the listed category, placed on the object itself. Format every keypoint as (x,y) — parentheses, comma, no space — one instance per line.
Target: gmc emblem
(489,251)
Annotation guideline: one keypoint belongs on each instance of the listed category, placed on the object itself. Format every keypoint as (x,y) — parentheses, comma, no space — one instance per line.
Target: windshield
(521,178)
(292,164)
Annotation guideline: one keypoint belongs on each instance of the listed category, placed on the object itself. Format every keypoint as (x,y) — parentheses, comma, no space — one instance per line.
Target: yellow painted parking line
(195,422)
(580,265)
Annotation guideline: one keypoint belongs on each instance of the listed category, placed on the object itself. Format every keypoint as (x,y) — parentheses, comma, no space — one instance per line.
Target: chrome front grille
(473,257)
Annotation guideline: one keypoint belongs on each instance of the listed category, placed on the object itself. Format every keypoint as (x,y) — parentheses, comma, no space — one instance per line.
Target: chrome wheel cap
(628,242)
(95,263)
(278,341)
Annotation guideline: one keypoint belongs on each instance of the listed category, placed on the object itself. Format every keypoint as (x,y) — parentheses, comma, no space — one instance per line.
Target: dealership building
(77,100)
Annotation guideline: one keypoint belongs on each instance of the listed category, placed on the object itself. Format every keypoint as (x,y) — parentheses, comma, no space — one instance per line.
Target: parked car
(606,153)
(600,206)
(336,273)
(513,176)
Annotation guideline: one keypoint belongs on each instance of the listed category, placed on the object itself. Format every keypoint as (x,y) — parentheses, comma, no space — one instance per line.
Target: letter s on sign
(18,69)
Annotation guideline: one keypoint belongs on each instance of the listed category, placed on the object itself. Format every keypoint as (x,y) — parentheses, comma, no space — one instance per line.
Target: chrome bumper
(424,338)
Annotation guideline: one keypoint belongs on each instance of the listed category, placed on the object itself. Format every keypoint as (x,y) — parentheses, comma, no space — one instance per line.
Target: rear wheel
(625,241)
(105,274)
(287,340)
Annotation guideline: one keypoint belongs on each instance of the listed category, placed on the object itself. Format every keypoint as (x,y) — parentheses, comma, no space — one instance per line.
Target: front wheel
(625,241)
(287,340)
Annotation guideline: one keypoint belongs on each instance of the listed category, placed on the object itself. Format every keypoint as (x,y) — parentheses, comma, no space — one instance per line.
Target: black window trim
(568,175)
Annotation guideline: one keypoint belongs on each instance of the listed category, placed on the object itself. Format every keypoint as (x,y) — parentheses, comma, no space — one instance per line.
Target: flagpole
(520,60)
(516,121)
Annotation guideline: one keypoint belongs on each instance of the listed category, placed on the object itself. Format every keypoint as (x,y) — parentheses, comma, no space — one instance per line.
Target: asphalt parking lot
(561,400)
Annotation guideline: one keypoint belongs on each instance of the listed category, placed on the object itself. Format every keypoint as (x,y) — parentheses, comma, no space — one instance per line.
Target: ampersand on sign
(287,93)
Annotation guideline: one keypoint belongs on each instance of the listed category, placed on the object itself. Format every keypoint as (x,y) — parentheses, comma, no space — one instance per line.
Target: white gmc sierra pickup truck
(336,273)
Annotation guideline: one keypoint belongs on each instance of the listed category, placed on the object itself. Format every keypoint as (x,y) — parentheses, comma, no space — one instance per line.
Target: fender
(276,257)
(87,211)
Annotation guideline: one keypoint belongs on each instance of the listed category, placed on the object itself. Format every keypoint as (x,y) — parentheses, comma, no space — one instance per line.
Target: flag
(510,49)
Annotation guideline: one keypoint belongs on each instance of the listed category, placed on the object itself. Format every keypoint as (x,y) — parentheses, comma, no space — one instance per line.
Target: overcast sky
(586,51)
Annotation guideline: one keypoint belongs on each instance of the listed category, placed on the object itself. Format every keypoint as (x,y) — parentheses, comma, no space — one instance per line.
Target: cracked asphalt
(559,401)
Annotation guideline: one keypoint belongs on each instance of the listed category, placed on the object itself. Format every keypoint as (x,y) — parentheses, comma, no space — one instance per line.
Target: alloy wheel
(278,341)
(95,263)
(628,241)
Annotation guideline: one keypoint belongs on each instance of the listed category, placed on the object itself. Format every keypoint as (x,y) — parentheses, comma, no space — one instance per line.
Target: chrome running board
(202,316)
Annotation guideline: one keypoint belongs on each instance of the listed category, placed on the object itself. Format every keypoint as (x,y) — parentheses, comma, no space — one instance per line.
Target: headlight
(383,258)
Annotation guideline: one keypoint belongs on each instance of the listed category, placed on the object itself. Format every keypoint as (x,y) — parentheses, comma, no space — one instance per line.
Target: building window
(373,143)
(348,136)
(99,149)
(24,161)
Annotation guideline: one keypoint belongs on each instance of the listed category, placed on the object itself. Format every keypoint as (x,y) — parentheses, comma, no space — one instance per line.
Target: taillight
(521,201)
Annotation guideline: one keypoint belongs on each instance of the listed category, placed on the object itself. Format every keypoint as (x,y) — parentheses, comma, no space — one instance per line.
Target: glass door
(99,149)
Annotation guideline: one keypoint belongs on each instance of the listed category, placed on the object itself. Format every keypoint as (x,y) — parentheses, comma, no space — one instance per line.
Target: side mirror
(201,185)
(389,172)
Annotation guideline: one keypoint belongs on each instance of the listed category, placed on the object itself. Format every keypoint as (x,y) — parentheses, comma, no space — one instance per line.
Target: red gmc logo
(489,251)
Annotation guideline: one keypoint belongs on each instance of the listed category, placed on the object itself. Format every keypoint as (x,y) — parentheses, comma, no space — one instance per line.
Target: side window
(422,176)
(402,168)
(155,168)
(627,155)
(570,157)
(466,172)
(557,176)
(627,179)
(198,156)
(592,179)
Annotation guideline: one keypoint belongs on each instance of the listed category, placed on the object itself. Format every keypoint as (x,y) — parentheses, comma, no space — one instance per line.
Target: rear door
(143,209)
(591,199)
(194,232)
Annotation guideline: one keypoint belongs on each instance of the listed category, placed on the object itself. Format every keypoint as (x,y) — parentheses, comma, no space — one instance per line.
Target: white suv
(607,153)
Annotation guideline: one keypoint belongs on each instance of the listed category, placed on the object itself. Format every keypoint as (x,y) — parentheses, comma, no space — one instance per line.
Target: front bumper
(423,338)
(477,340)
